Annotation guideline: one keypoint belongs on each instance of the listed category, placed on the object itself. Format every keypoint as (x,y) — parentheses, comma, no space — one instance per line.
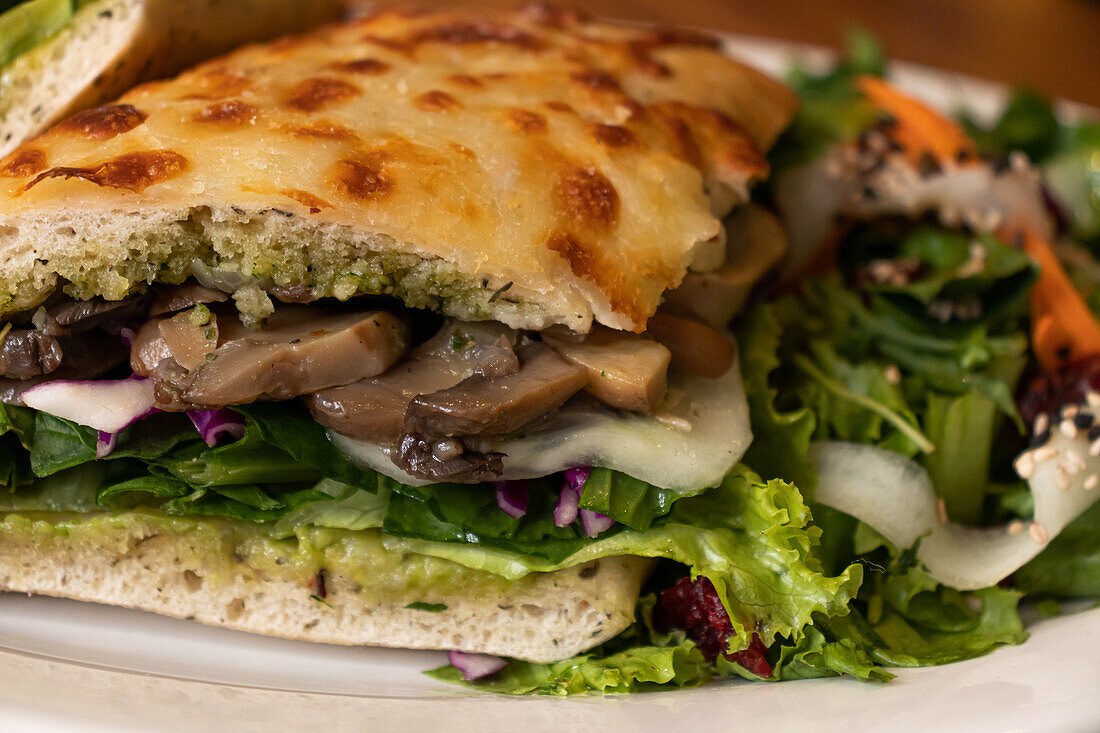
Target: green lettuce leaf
(634,669)
(781,438)
(752,539)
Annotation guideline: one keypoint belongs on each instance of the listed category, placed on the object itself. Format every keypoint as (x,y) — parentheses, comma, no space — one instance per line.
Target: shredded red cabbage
(105,444)
(475,666)
(213,424)
(569,499)
(511,497)
(568,507)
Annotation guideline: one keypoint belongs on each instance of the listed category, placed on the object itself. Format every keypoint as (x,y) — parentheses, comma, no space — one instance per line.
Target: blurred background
(1048,45)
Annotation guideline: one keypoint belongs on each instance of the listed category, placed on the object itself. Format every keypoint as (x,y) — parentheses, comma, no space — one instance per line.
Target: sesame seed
(1015,526)
(893,374)
(1074,462)
(1025,465)
(1067,411)
(941,511)
(1091,482)
(1018,161)
(1061,477)
(992,219)
(674,422)
(1068,428)
(1045,453)
(1042,422)
(1083,420)
(1038,533)
(1094,448)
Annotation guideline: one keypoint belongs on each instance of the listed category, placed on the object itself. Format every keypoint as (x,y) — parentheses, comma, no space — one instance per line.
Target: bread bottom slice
(332,586)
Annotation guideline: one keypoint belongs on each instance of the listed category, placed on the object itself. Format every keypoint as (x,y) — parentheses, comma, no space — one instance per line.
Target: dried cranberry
(1049,391)
(694,606)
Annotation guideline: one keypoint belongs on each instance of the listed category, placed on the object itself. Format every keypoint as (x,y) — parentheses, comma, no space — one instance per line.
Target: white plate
(70,666)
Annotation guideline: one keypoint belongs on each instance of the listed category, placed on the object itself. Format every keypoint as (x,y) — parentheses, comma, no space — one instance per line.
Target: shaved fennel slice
(894,496)
(691,452)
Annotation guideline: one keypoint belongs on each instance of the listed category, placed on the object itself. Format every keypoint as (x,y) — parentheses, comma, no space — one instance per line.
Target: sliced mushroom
(481,406)
(149,349)
(28,353)
(625,370)
(696,347)
(191,336)
(756,242)
(300,350)
(374,409)
(175,298)
(80,316)
(426,459)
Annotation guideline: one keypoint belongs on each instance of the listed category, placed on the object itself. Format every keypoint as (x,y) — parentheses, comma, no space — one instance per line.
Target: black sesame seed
(1083,420)
(928,165)
(1094,433)
(1040,439)
(869,193)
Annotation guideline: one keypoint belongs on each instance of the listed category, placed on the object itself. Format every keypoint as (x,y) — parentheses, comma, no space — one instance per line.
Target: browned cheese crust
(583,166)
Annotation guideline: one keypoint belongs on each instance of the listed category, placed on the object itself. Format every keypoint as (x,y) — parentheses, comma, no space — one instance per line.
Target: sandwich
(552,343)
(58,57)
(358,337)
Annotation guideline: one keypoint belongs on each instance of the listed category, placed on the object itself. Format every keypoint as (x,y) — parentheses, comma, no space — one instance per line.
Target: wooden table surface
(1050,45)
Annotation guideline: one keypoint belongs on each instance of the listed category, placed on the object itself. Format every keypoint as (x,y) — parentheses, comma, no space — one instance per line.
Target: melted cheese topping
(583,163)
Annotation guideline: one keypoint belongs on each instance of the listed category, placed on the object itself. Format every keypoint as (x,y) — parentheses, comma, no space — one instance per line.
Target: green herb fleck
(430,607)
(321,600)
(460,342)
(200,315)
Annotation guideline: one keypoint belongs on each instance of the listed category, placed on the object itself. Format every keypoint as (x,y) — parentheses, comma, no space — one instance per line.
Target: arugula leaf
(290,428)
(71,490)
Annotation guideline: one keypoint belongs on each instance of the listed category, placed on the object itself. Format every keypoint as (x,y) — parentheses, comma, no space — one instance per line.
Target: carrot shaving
(1063,329)
(919,129)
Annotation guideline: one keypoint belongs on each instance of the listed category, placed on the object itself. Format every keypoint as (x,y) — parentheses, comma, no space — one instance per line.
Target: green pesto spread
(224,549)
